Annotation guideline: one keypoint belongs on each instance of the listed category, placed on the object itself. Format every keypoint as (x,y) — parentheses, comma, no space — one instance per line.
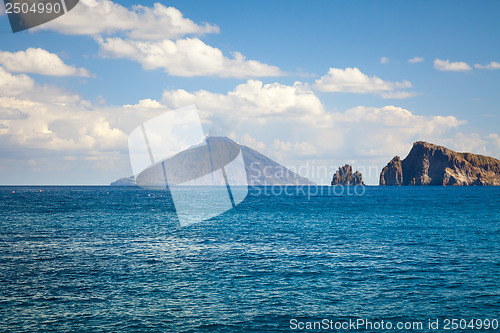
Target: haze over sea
(111,259)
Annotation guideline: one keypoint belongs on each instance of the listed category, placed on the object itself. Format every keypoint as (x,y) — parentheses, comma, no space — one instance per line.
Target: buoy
(13,192)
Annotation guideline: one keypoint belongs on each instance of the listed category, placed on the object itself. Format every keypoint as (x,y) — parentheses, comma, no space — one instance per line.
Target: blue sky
(316,83)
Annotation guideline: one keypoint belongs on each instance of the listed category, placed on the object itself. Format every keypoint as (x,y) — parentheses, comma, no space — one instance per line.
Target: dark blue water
(113,260)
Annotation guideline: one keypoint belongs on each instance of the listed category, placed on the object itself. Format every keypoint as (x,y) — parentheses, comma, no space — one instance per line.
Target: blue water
(104,259)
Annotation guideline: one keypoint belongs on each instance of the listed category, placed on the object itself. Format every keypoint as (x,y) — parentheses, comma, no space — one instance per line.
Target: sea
(375,259)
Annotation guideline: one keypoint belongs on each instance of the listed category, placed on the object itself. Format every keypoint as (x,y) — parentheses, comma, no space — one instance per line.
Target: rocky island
(344,176)
(430,164)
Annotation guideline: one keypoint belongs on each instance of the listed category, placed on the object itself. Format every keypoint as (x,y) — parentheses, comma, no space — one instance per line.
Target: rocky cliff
(430,164)
(344,176)
(392,173)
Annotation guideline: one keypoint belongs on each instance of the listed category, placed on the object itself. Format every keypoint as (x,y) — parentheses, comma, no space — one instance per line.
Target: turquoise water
(113,260)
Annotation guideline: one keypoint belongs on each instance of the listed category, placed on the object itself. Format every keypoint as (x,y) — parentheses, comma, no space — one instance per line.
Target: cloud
(296,148)
(491,65)
(394,116)
(252,99)
(47,118)
(352,80)
(156,38)
(446,65)
(96,17)
(388,130)
(145,103)
(495,139)
(185,57)
(415,60)
(384,60)
(247,140)
(475,143)
(38,61)
(11,85)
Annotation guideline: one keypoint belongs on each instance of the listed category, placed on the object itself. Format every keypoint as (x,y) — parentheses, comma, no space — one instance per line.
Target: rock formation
(392,174)
(344,176)
(129,181)
(430,164)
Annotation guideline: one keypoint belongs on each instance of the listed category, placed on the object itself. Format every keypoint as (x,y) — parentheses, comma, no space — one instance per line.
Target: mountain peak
(192,164)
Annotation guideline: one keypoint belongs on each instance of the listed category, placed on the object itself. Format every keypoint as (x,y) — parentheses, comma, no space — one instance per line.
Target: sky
(313,85)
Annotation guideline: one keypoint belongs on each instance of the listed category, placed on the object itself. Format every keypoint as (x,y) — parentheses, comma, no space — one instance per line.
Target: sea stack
(430,164)
(344,176)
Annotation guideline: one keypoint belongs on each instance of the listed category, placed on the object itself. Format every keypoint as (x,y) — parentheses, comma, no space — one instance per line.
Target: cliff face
(429,164)
(392,174)
(344,176)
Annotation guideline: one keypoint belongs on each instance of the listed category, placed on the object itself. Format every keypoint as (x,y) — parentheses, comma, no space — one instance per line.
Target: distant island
(192,163)
(430,164)
(344,176)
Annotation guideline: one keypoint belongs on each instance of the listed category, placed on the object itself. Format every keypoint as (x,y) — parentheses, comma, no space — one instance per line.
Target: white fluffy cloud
(415,60)
(145,103)
(14,84)
(474,142)
(96,17)
(38,61)
(252,99)
(387,131)
(491,65)
(185,57)
(446,65)
(156,38)
(65,129)
(41,118)
(396,117)
(352,80)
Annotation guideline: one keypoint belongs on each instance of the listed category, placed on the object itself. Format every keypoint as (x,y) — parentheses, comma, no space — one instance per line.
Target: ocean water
(104,259)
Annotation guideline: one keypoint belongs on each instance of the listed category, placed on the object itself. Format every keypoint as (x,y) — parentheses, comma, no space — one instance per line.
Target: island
(344,176)
(430,164)
(200,160)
